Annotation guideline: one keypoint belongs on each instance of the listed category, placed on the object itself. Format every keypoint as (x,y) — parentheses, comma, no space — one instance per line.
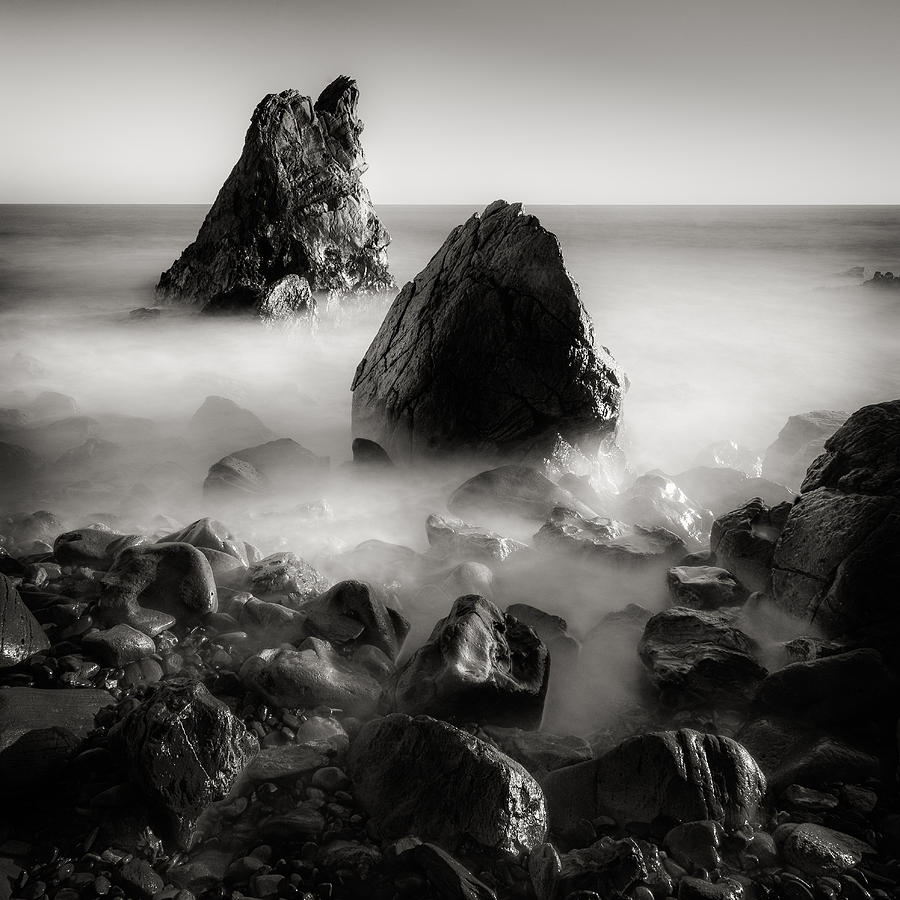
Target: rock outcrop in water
(488,350)
(292,217)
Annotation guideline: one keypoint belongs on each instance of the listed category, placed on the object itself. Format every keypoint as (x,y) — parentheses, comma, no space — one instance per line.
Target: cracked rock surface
(489,349)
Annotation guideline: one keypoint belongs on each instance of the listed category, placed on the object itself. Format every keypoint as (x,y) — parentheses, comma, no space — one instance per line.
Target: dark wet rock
(228,571)
(695,844)
(32,765)
(841,688)
(92,547)
(303,823)
(743,541)
(514,492)
(21,637)
(119,645)
(289,761)
(704,587)
(798,443)
(836,563)
(223,423)
(17,464)
(817,850)
(670,776)
(700,657)
(312,675)
(614,869)
(137,876)
(489,349)
(184,749)
(368,453)
(539,751)
(275,622)
(280,465)
(425,777)
(722,489)
(172,578)
(455,539)
(607,542)
(286,575)
(354,613)
(293,205)
(656,501)
(24,709)
(690,888)
(478,665)
(289,299)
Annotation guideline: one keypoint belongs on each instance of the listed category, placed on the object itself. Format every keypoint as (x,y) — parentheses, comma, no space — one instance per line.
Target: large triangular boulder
(294,205)
(488,350)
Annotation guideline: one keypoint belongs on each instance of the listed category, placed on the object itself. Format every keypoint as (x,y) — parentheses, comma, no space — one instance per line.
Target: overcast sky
(558,101)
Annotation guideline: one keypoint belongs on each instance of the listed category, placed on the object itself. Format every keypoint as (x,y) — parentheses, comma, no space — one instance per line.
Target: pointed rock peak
(511,209)
(341,92)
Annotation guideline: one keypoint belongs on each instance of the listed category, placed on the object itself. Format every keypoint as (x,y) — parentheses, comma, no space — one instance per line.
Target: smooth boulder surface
(184,749)
(698,657)
(478,665)
(743,541)
(92,547)
(169,578)
(704,587)
(425,777)
(488,350)
(836,564)
(294,204)
(458,540)
(312,675)
(672,776)
(819,851)
(21,637)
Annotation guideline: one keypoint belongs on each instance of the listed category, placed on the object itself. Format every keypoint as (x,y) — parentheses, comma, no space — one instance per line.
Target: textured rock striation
(488,350)
(293,215)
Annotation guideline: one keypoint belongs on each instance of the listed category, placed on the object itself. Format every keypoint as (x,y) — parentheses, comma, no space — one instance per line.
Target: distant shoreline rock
(292,219)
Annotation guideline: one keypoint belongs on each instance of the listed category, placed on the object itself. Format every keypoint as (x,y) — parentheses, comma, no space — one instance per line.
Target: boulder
(819,851)
(614,869)
(312,675)
(517,492)
(654,500)
(93,547)
(170,578)
(845,687)
(539,751)
(478,665)
(184,749)
(368,453)
(836,563)
(280,465)
(743,541)
(665,777)
(454,539)
(798,443)
(353,613)
(488,350)
(271,622)
(704,587)
(289,299)
(608,542)
(697,657)
(222,423)
(119,645)
(21,637)
(293,205)
(425,777)
(24,709)
(286,576)
(722,489)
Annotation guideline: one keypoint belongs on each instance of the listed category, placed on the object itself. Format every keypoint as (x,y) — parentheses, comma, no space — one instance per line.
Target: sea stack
(293,219)
(488,351)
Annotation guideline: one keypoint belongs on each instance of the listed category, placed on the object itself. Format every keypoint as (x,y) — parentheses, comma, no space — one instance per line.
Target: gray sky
(557,101)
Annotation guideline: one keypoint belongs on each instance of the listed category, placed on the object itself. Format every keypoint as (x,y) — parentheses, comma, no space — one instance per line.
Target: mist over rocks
(488,351)
(293,218)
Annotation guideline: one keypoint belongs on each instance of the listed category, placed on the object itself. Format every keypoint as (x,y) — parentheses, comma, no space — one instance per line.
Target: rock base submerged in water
(293,217)
(488,350)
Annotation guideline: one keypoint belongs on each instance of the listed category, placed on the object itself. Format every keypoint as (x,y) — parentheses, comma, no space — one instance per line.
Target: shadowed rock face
(836,562)
(293,205)
(487,350)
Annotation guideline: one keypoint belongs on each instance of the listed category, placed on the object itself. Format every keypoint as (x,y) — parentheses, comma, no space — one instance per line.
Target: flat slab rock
(425,777)
(489,350)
